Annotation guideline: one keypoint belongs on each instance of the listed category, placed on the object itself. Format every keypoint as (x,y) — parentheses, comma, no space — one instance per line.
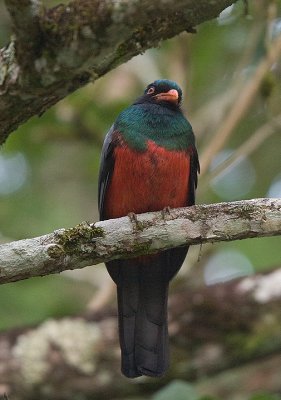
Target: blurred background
(49,166)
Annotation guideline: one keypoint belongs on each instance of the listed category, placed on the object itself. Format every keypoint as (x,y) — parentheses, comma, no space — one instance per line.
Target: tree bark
(89,244)
(58,50)
(214,331)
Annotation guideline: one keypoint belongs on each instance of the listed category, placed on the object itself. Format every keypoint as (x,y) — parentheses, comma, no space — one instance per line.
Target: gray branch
(58,50)
(88,244)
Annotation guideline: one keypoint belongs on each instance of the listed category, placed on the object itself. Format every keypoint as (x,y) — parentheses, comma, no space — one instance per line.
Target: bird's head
(163,91)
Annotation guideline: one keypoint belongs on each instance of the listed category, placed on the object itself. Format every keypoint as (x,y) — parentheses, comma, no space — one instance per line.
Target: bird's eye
(151,90)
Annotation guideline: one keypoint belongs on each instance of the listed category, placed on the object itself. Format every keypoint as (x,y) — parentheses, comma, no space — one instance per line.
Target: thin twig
(102,297)
(210,116)
(241,106)
(248,147)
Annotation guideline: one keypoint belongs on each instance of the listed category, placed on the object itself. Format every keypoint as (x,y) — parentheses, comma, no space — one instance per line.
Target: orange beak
(172,96)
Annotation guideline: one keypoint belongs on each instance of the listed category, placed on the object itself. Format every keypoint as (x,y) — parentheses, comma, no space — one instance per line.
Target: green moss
(72,239)
(55,251)
(245,211)
(141,248)
(64,23)
(248,208)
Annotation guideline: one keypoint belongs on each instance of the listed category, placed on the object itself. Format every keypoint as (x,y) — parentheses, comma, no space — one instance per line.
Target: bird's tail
(142,309)
(142,290)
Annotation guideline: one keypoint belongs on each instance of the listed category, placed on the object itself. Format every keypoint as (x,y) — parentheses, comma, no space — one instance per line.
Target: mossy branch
(88,244)
(58,50)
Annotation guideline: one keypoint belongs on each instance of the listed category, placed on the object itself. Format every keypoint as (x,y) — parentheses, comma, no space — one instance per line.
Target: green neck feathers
(165,126)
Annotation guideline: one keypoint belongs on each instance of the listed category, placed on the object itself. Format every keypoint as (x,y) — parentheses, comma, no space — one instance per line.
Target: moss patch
(74,239)
(141,248)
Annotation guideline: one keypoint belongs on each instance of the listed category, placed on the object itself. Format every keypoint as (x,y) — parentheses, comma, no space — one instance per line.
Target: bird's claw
(166,211)
(133,218)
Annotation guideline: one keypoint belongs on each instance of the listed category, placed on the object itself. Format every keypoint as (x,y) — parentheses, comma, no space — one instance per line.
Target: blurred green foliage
(181,390)
(177,389)
(265,396)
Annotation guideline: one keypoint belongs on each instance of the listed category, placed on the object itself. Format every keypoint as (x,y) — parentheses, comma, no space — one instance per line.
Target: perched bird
(149,163)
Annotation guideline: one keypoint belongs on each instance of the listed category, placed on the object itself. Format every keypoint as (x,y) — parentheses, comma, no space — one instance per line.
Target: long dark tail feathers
(142,291)
(143,339)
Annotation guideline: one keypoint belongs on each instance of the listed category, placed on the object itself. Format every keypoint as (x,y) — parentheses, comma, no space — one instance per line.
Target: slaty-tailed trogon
(149,162)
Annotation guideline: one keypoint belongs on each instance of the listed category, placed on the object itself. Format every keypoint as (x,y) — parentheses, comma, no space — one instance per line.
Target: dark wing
(193,177)
(106,169)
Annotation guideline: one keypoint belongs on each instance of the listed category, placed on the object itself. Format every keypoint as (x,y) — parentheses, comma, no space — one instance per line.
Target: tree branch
(69,45)
(88,244)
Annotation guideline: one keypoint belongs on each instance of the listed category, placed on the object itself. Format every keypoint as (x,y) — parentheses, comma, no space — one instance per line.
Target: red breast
(147,181)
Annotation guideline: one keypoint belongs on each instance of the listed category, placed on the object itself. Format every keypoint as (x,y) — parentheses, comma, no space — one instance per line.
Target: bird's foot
(133,218)
(165,212)
(137,225)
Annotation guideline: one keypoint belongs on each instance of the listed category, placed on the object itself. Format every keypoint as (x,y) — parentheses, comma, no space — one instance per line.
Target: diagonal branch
(78,43)
(88,244)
